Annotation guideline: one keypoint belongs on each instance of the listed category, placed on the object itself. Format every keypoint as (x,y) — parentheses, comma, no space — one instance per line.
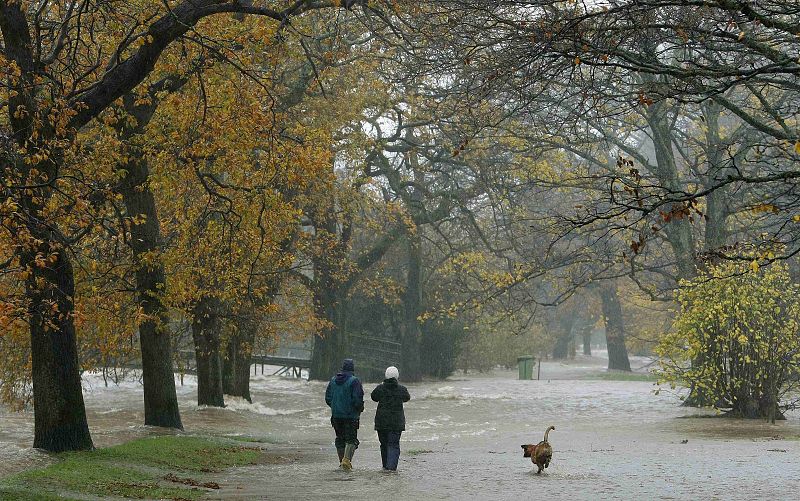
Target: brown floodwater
(613,440)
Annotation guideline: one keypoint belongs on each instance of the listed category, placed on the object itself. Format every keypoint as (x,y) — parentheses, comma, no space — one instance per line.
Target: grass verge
(141,469)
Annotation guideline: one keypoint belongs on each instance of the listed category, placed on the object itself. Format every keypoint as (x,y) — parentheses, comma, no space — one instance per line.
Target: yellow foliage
(736,338)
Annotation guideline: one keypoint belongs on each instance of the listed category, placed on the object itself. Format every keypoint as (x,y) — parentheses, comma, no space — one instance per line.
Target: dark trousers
(346,431)
(390,448)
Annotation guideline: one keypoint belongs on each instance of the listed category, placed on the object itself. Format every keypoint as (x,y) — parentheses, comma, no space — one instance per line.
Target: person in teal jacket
(345,397)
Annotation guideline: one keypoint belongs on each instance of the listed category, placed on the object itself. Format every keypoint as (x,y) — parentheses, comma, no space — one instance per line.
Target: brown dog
(541,453)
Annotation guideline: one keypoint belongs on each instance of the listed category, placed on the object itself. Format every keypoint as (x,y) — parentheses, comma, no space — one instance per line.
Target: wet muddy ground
(613,440)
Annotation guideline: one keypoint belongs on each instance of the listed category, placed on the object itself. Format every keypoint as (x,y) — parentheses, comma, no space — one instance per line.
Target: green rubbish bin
(525,364)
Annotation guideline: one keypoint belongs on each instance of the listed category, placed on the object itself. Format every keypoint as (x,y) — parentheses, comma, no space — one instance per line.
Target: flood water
(613,440)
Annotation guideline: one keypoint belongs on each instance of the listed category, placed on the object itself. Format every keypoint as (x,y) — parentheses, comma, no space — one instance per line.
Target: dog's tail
(547,432)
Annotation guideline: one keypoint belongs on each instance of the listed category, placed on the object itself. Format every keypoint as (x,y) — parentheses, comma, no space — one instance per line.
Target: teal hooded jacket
(345,396)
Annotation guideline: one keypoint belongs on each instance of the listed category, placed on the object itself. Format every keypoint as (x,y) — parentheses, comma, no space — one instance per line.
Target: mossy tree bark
(587,342)
(238,353)
(565,324)
(60,416)
(615,328)
(412,309)
(206,326)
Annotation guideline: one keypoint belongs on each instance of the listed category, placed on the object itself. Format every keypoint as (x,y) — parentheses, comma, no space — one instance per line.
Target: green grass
(415,452)
(181,453)
(133,470)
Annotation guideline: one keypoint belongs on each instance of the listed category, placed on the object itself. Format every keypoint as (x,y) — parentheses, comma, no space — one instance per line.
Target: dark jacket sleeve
(377,393)
(357,392)
(328,394)
(406,396)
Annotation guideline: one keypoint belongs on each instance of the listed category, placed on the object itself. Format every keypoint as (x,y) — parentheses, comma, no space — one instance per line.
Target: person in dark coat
(390,421)
(345,397)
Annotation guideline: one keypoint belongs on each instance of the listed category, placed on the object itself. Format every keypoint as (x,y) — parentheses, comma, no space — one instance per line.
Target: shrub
(736,339)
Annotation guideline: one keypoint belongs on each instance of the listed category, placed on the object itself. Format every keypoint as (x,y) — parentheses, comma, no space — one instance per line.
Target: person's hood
(391,383)
(342,377)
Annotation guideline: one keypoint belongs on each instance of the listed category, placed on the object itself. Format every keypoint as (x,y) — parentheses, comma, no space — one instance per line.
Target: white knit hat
(392,372)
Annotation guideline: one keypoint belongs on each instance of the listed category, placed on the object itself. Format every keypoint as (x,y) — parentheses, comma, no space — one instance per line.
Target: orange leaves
(228,172)
(11,317)
(680,211)
(637,245)
(42,261)
(461,147)
(762,208)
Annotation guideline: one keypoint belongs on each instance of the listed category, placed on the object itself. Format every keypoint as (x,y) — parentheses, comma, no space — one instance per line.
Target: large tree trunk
(561,348)
(586,332)
(587,341)
(60,416)
(717,210)
(329,292)
(615,331)
(412,306)
(206,333)
(160,399)
(238,352)
(565,323)
(323,358)
(330,343)
(412,299)
(679,230)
